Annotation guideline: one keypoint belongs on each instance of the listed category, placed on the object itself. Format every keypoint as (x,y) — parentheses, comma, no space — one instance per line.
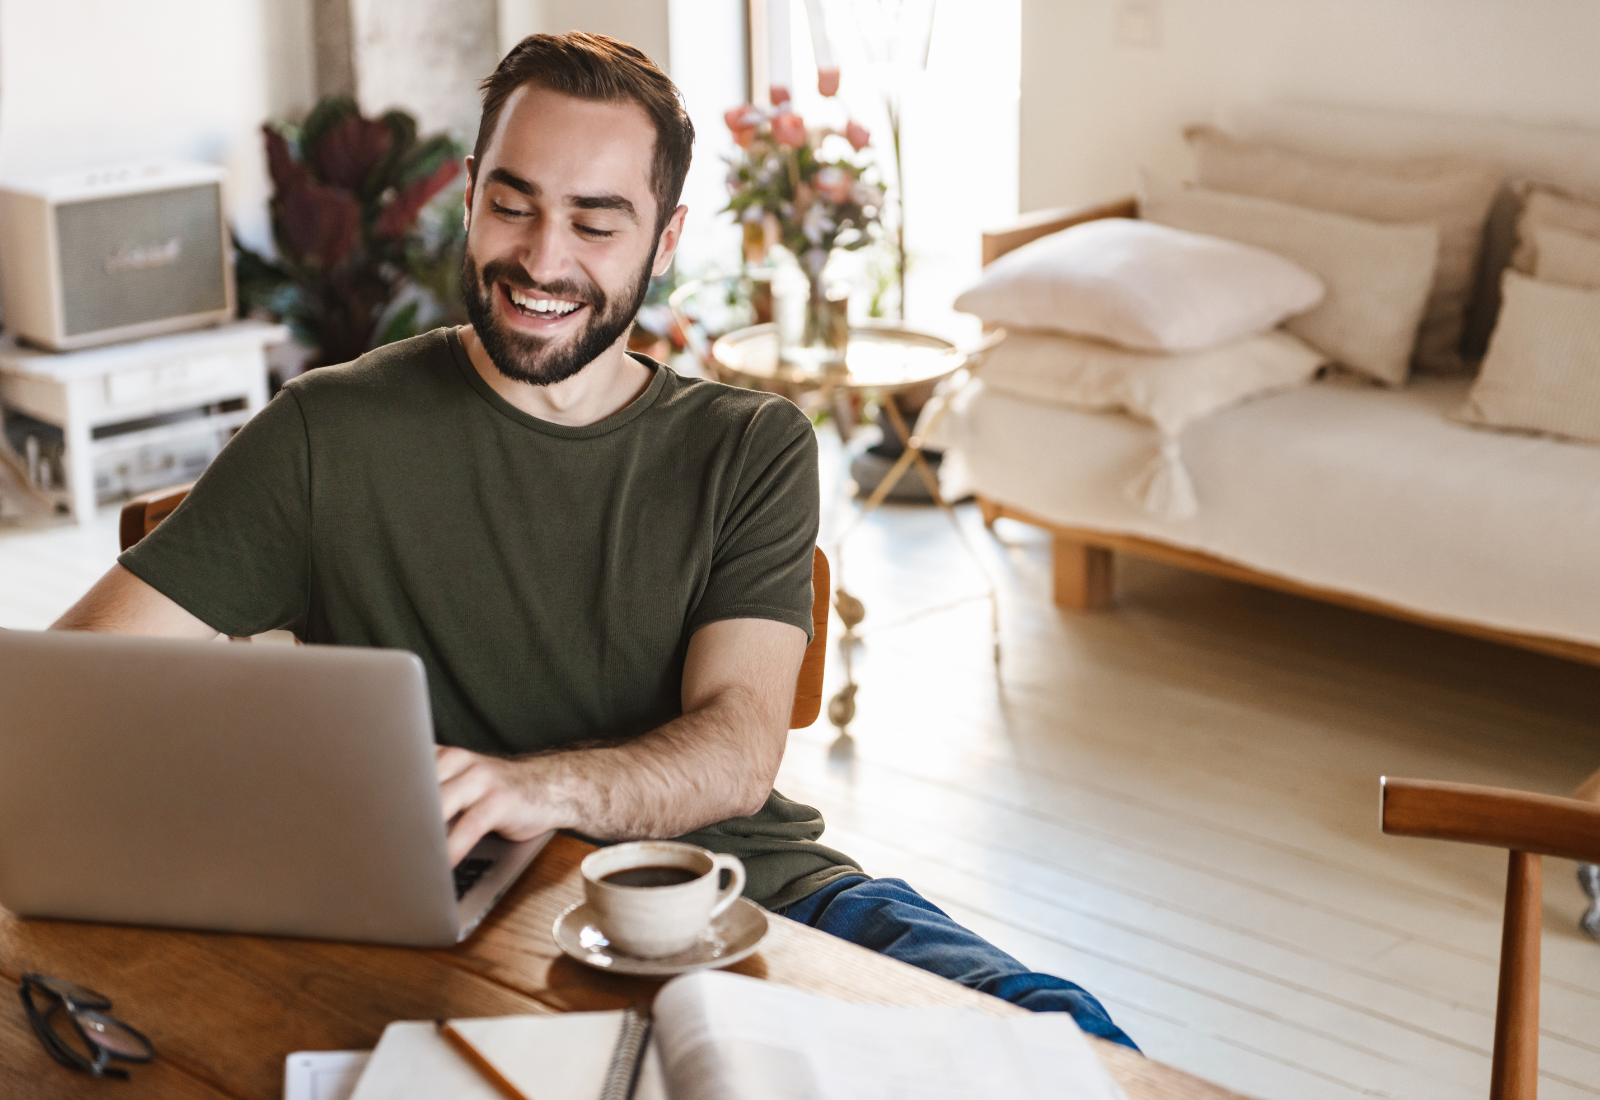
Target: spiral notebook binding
(622,1076)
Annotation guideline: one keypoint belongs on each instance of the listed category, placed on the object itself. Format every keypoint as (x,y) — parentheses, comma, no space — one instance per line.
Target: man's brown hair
(595,67)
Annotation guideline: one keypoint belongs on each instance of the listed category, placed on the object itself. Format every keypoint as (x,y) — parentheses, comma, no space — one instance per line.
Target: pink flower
(857,135)
(835,184)
(789,129)
(779,95)
(743,122)
(827,81)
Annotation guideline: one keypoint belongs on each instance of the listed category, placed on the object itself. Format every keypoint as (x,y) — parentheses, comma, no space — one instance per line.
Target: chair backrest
(141,515)
(1531,826)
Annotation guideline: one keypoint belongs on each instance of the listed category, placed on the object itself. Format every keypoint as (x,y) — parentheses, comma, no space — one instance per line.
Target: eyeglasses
(93,1040)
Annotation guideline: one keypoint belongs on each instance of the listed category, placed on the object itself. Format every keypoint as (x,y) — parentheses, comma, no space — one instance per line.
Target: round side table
(890,362)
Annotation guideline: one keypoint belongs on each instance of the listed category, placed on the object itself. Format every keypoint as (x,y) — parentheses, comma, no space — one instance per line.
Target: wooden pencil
(484,1067)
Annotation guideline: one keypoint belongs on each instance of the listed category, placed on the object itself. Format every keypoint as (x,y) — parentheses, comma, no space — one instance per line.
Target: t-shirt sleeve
(761,561)
(235,554)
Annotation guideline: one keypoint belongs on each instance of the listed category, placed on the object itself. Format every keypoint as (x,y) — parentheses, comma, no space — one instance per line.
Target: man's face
(561,233)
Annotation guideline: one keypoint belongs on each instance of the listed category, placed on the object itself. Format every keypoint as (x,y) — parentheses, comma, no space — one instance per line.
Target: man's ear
(667,246)
(472,178)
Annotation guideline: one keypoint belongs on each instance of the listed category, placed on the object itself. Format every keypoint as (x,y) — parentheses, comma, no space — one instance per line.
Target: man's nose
(545,254)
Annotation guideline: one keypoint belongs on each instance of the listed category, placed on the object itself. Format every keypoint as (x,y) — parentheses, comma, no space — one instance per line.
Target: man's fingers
(450,762)
(472,827)
(462,791)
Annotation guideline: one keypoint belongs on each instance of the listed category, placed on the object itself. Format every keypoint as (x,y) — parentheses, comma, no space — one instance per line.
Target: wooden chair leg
(1515,1075)
(1589,789)
(1083,575)
(989,510)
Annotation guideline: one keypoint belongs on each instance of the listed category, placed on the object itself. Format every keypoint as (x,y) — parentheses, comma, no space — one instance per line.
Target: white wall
(1094,109)
(426,58)
(640,22)
(88,82)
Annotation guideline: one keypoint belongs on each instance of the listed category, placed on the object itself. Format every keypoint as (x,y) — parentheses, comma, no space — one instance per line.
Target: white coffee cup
(651,921)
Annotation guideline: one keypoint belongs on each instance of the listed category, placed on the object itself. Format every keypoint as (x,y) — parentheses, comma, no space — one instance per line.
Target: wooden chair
(1531,826)
(141,515)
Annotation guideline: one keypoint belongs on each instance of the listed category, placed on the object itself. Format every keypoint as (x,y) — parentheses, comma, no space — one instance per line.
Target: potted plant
(357,265)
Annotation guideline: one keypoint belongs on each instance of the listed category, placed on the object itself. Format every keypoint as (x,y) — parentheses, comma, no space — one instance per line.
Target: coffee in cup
(654,898)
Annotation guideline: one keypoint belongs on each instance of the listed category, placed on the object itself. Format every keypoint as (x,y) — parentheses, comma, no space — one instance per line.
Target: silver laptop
(271,789)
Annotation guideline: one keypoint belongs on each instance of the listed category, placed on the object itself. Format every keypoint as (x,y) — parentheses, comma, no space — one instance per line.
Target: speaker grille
(137,258)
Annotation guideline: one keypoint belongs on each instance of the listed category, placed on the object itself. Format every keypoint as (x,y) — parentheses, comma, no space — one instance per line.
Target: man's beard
(532,359)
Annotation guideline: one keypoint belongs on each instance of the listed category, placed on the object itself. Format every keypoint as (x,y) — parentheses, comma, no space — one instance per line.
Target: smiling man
(605,567)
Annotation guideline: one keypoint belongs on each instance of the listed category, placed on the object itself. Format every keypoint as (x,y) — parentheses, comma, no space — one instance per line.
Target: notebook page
(727,1037)
(550,1057)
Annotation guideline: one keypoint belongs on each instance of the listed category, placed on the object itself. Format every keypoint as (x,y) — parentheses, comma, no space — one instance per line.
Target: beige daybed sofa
(1341,490)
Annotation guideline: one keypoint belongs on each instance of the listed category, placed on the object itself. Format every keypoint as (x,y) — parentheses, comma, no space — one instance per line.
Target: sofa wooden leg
(1083,575)
(989,510)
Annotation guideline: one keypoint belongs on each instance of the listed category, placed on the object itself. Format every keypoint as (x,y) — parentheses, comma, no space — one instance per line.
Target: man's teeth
(554,306)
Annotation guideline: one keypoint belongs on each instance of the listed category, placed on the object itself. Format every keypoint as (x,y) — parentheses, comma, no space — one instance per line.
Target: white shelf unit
(82,391)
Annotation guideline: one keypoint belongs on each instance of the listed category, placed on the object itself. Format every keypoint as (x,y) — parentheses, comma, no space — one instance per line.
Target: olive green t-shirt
(548,576)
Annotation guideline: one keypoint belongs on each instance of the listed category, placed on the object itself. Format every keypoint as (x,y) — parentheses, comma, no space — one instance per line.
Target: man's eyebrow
(615,202)
(516,183)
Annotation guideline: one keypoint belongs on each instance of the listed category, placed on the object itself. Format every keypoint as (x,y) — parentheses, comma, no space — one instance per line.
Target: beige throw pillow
(1542,372)
(1544,205)
(1569,258)
(1453,194)
(1141,285)
(1377,276)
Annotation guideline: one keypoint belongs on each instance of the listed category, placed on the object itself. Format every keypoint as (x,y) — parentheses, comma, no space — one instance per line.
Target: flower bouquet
(805,190)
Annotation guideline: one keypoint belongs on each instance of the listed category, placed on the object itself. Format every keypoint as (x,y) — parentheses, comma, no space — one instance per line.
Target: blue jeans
(889,917)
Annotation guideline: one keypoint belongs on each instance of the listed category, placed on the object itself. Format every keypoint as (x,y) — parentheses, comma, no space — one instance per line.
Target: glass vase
(813,315)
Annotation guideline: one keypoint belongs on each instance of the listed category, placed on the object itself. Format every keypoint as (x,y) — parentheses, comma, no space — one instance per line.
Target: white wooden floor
(1175,804)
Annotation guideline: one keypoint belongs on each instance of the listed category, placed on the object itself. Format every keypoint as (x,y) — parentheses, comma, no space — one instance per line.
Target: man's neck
(609,384)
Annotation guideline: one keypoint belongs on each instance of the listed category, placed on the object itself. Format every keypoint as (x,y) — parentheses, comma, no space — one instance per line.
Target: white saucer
(732,936)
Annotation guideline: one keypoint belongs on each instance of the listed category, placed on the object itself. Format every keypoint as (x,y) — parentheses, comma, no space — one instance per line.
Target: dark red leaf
(402,211)
(350,149)
(284,169)
(320,223)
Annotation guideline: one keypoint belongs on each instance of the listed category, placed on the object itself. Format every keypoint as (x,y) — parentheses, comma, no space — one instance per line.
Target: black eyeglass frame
(79,1009)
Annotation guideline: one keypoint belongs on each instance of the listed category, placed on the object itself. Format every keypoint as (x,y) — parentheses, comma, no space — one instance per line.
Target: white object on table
(323,1074)
(81,391)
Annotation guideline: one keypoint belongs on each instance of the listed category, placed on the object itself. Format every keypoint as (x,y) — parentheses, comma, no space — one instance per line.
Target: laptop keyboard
(468,872)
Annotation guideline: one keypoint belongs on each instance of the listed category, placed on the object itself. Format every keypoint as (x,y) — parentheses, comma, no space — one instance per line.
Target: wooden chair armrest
(1523,822)
(141,514)
(1042,223)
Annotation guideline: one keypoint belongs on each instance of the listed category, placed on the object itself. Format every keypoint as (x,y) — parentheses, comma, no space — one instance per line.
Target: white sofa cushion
(1450,192)
(1570,258)
(1170,390)
(1377,276)
(1142,286)
(1338,485)
(1542,372)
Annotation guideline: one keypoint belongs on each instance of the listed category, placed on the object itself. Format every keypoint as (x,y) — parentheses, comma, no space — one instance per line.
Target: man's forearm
(704,767)
(717,761)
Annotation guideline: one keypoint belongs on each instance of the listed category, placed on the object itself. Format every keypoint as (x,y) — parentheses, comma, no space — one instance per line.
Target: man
(606,568)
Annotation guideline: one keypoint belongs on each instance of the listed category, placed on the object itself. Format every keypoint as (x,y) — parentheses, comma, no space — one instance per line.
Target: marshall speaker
(114,254)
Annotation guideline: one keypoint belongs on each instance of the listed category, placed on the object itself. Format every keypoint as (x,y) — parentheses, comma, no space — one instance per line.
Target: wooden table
(224,1011)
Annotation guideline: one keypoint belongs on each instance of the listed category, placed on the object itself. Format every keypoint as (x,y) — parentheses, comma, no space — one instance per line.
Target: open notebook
(721,1036)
